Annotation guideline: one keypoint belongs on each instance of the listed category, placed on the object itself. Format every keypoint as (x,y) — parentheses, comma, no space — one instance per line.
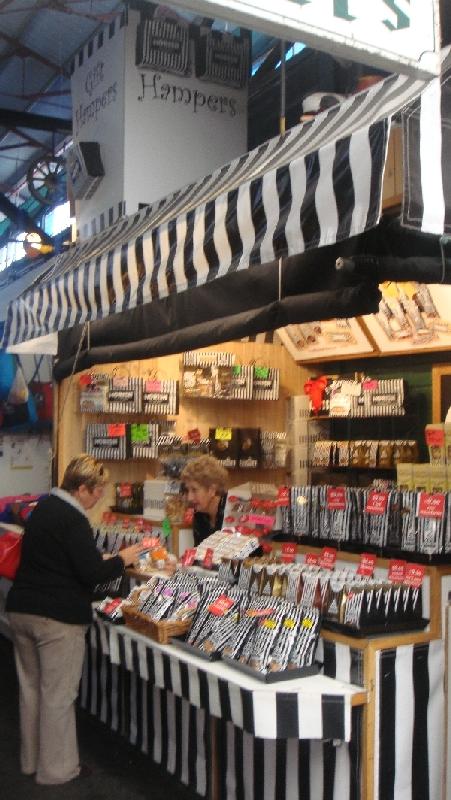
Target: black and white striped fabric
(167,728)
(427,156)
(410,704)
(310,708)
(317,184)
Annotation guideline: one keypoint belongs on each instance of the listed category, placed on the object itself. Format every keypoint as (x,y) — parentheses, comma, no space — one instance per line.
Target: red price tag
(435,437)
(125,490)
(85,380)
(188,516)
(414,575)
(266,547)
(377,502)
(367,563)
(116,429)
(288,552)
(328,558)
(120,383)
(188,556)
(431,505)
(312,559)
(370,385)
(208,558)
(336,498)
(152,386)
(221,605)
(283,496)
(194,435)
(396,570)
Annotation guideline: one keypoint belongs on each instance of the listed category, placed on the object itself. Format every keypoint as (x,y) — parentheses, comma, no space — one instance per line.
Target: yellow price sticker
(289,623)
(269,623)
(223,434)
(307,623)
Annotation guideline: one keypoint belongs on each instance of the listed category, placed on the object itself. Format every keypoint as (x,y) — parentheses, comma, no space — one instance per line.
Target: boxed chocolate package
(249,454)
(224,445)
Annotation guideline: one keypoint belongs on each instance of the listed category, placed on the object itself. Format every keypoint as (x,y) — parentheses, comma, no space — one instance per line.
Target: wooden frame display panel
(200,413)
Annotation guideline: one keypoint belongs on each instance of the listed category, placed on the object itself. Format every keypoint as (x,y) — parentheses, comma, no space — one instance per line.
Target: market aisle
(120,772)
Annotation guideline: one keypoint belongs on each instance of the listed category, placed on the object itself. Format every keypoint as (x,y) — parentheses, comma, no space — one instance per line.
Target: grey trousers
(49,661)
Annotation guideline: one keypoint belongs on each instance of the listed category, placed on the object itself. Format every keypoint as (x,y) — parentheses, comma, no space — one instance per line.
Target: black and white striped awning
(318,184)
(427,156)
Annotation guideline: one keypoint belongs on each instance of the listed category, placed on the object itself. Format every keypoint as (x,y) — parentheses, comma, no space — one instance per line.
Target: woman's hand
(130,554)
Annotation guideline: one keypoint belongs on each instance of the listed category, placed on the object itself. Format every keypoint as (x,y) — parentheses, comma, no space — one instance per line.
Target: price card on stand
(397,570)
(328,558)
(366,564)
(207,563)
(336,498)
(431,505)
(414,575)
(311,559)
(376,502)
(288,551)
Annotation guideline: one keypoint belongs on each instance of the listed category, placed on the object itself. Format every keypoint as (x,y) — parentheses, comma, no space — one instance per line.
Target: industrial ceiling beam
(10,118)
(22,51)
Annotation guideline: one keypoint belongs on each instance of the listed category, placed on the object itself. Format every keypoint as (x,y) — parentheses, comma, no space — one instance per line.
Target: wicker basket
(161,631)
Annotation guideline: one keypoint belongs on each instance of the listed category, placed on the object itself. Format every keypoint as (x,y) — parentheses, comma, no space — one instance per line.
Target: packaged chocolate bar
(289,630)
(249,453)
(304,647)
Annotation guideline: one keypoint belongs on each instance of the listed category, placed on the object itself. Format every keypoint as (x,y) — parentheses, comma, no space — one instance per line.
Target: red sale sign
(328,558)
(312,559)
(288,552)
(367,564)
(397,570)
(431,505)
(336,498)
(376,502)
(414,575)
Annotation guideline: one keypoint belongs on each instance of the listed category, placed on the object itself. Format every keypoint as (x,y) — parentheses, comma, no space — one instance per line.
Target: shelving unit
(391,428)
(265,414)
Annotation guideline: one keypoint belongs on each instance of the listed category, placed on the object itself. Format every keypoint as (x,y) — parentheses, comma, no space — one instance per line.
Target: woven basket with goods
(161,631)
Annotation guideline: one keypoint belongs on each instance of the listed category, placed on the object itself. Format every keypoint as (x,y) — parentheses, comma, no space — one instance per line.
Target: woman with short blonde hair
(49,610)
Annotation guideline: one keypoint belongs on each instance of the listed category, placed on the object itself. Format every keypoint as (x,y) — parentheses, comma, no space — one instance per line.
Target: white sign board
(396,35)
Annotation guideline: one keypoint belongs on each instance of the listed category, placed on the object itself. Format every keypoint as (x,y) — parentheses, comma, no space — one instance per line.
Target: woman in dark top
(49,610)
(205,481)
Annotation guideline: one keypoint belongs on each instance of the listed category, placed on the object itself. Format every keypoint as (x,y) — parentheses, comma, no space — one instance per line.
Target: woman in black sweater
(49,610)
